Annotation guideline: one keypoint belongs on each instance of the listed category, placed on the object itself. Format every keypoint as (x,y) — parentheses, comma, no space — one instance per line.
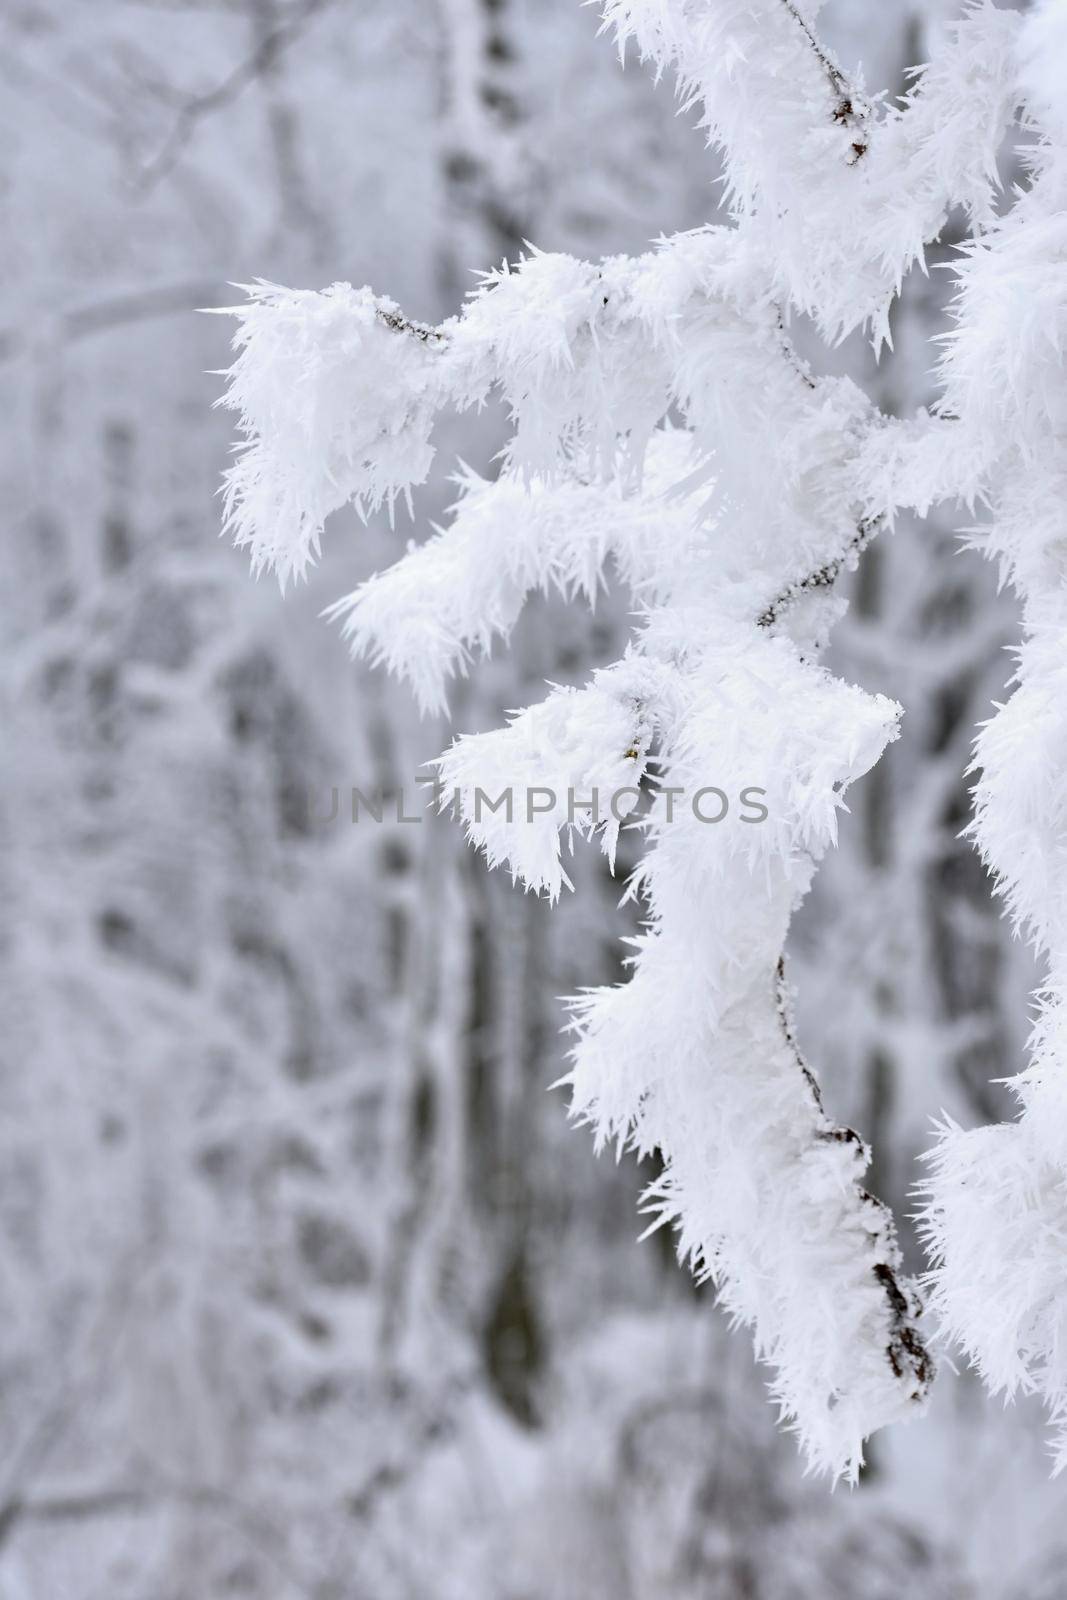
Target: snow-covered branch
(996,1212)
(663,423)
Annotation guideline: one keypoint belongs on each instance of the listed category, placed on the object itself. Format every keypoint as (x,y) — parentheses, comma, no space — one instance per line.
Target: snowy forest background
(310,1289)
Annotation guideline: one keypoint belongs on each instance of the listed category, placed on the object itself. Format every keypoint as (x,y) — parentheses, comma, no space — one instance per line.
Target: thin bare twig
(849,108)
(905,1351)
(140,305)
(823,578)
(417,330)
(269,47)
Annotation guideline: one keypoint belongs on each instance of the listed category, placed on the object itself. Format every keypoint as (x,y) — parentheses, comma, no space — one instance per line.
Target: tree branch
(417,330)
(139,306)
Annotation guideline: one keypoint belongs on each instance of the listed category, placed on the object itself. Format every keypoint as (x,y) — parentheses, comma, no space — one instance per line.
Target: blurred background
(309,1290)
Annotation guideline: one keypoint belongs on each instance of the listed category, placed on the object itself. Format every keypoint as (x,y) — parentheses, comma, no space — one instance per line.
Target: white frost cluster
(787,121)
(663,425)
(336,409)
